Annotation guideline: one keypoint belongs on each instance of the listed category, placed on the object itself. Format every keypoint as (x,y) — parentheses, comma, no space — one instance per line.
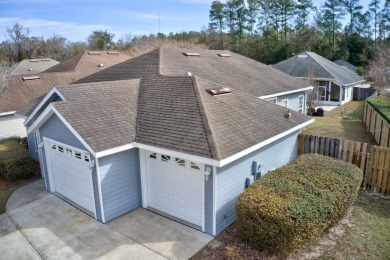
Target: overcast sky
(76,19)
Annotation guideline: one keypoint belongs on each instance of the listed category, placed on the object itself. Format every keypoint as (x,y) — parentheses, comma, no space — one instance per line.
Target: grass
(4,196)
(382,106)
(333,125)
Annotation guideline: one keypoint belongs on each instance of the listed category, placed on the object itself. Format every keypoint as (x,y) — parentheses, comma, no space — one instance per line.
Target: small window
(285,102)
(218,91)
(272,100)
(225,55)
(300,104)
(69,151)
(191,54)
(153,156)
(165,158)
(54,147)
(86,157)
(30,78)
(180,162)
(77,155)
(60,149)
(195,166)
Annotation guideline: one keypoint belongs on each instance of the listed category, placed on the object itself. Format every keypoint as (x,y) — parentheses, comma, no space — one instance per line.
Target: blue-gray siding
(121,183)
(209,198)
(54,129)
(292,100)
(32,147)
(231,178)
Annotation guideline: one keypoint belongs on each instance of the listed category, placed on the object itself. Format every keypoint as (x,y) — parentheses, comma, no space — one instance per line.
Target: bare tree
(4,72)
(379,69)
(17,34)
(312,96)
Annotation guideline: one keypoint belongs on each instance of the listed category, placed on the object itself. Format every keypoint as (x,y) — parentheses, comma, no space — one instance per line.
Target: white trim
(203,199)
(271,100)
(144,178)
(262,144)
(287,92)
(100,190)
(43,101)
(50,175)
(20,116)
(117,149)
(46,114)
(281,103)
(303,103)
(7,113)
(214,201)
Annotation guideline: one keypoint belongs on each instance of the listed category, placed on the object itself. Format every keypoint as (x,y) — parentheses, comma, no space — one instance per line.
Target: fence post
(365,171)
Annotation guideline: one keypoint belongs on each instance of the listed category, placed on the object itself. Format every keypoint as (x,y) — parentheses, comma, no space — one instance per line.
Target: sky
(76,19)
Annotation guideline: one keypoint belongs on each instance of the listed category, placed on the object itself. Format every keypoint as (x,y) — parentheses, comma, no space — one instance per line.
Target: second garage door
(70,173)
(176,187)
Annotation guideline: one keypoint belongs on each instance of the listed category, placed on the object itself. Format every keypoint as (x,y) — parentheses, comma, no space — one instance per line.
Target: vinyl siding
(32,146)
(209,203)
(231,178)
(292,100)
(11,126)
(120,183)
(54,129)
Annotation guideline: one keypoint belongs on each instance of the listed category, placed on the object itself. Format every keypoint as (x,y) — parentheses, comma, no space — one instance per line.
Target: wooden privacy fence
(377,125)
(373,160)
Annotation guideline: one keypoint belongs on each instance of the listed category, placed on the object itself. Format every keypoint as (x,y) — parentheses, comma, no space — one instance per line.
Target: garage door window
(180,162)
(174,160)
(165,158)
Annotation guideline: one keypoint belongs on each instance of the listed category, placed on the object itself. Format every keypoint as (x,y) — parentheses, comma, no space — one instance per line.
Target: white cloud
(45,28)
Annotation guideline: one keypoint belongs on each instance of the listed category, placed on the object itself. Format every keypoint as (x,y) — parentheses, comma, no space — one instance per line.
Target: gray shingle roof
(169,111)
(33,66)
(103,113)
(346,64)
(310,64)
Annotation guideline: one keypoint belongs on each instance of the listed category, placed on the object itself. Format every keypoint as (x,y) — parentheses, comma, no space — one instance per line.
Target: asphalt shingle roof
(310,64)
(172,112)
(33,66)
(346,64)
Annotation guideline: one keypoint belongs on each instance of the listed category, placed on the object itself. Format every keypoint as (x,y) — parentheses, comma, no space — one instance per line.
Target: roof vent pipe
(188,74)
(100,65)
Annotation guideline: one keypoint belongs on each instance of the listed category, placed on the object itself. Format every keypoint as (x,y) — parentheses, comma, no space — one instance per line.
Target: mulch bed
(15,184)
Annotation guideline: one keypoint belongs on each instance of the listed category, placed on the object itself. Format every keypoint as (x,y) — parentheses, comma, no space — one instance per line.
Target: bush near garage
(15,160)
(296,203)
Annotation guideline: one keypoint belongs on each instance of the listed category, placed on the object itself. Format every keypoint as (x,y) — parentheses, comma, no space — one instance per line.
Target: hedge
(296,203)
(15,160)
(382,106)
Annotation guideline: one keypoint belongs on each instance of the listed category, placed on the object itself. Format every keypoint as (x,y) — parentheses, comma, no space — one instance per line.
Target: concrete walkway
(39,225)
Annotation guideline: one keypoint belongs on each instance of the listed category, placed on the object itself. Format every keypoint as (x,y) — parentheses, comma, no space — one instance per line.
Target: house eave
(287,92)
(7,113)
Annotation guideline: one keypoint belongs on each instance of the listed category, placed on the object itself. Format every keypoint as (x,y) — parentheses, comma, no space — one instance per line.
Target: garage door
(70,173)
(176,187)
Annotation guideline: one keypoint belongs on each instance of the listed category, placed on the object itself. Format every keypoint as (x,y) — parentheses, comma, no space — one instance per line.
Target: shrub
(382,106)
(15,160)
(296,203)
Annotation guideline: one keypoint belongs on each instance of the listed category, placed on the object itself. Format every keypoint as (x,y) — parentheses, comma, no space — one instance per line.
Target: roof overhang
(287,92)
(54,90)
(7,113)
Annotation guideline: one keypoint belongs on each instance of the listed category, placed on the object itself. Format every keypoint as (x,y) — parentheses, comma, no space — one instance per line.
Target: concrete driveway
(39,225)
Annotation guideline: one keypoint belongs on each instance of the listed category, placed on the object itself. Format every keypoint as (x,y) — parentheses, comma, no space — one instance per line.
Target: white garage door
(70,173)
(176,187)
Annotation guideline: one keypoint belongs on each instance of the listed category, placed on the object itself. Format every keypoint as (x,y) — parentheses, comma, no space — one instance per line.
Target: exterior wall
(12,126)
(54,129)
(120,183)
(292,100)
(209,199)
(348,94)
(32,146)
(231,178)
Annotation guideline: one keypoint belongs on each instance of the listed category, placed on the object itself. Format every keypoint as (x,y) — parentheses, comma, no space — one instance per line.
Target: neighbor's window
(285,102)
(300,104)
(272,100)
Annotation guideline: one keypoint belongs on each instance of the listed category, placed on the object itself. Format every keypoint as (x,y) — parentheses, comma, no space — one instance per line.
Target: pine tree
(217,19)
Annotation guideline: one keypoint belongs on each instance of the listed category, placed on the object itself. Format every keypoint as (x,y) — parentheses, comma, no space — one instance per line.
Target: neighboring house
(335,83)
(175,131)
(21,89)
(346,64)
(33,66)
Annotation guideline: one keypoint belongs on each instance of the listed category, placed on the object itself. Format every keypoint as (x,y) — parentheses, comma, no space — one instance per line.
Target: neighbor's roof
(235,71)
(33,66)
(346,64)
(173,112)
(310,64)
(19,92)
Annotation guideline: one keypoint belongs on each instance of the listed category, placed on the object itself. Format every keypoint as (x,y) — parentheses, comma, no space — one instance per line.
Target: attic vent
(45,59)
(302,56)
(188,74)
(31,78)
(191,54)
(113,53)
(93,53)
(224,55)
(100,65)
(34,60)
(218,91)
(30,69)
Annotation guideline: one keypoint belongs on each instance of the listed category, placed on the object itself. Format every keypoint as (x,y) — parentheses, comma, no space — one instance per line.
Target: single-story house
(21,89)
(180,132)
(335,83)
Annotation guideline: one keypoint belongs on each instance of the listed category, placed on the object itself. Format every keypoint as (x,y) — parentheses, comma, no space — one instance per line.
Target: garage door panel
(175,190)
(71,175)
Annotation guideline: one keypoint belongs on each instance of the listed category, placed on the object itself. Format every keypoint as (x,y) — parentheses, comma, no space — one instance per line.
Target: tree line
(273,30)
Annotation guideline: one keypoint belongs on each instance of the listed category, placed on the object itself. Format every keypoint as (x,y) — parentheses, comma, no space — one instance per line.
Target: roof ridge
(206,122)
(309,54)
(79,61)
